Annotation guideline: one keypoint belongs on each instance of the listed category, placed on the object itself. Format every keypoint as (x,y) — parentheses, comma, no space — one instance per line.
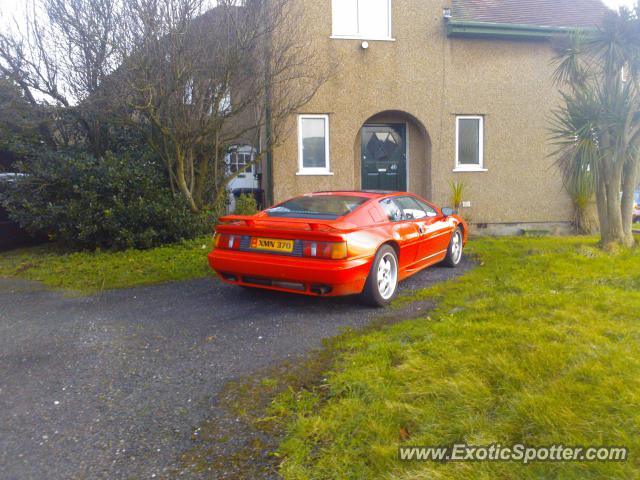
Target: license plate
(272,244)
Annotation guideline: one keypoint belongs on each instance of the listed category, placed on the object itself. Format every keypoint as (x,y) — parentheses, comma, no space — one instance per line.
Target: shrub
(246,205)
(108,202)
(457,194)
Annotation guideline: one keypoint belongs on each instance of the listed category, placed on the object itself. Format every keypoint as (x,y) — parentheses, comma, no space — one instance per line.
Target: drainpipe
(268,127)
(268,167)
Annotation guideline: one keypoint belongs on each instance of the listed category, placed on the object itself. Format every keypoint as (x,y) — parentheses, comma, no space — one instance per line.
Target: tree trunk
(612,233)
(601,204)
(182,181)
(201,175)
(629,182)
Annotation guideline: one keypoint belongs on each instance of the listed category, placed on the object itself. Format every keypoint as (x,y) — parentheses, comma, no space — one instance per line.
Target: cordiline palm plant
(582,193)
(597,128)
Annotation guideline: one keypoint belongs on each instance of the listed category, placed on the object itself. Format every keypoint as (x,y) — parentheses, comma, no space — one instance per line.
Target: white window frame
(388,38)
(187,98)
(225,105)
(466,167)
(315,170)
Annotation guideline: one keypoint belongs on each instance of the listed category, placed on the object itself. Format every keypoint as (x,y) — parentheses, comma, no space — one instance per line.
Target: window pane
(313,143)
(391,209)
(345,17)
(373,18)
(469,141)
(430,211)
(233,162)
(319,206)
(188,92)
(410,208)
(225,103)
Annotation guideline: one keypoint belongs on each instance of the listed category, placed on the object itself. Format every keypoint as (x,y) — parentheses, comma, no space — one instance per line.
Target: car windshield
(326,207)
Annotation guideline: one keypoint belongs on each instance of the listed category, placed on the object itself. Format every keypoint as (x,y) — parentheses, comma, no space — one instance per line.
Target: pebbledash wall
(424,78)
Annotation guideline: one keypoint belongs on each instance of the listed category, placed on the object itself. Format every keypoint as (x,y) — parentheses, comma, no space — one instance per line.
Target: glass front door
(384,157)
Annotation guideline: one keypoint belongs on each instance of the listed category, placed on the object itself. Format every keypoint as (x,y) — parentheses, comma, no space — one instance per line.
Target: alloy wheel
(456,247)
(387,276)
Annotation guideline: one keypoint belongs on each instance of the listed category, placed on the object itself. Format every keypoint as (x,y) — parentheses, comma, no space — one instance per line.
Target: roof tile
(546,13)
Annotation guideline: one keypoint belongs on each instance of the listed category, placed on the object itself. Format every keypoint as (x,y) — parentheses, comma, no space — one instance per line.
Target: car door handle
(422,230)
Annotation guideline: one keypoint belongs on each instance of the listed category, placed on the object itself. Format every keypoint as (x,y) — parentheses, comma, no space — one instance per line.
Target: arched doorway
(393,152)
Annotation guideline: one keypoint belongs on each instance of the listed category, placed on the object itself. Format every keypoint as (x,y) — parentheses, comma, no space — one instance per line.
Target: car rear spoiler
(314,226)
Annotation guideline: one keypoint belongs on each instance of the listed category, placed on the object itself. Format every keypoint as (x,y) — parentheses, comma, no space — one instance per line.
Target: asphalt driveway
(112,385)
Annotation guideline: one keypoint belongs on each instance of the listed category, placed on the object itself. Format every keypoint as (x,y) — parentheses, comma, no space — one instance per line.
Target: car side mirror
(447,212)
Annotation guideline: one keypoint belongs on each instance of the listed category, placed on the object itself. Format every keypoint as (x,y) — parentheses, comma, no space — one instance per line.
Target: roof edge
(463,28)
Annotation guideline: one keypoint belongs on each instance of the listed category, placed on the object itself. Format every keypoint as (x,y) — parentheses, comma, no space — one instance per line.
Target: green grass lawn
(636,226)
(90,272)
(538,345)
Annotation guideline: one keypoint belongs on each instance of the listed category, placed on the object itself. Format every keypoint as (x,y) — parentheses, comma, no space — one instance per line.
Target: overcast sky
(8,8)
(610,3)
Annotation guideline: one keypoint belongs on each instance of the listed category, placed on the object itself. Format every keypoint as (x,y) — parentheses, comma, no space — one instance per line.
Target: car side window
(412,209)
(431,212)
(391,209)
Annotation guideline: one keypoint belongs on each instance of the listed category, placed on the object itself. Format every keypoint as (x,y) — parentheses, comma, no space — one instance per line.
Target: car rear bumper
(291,274)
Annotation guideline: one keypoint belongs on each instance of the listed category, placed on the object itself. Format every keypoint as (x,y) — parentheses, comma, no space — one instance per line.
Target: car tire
(382,283)
(454,251)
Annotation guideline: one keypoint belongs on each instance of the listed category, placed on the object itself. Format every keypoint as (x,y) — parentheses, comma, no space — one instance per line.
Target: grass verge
(90,272)
(539,345)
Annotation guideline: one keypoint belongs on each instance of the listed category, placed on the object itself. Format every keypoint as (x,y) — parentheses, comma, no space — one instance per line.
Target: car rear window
(326,207)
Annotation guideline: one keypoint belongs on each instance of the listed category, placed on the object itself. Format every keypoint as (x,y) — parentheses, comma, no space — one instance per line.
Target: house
(422,96)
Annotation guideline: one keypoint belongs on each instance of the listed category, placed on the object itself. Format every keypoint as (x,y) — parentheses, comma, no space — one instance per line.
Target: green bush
(108,202)
(246,205)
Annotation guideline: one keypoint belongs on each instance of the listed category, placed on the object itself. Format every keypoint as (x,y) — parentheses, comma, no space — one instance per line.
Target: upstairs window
(224,102)
(469,143)
(366,19)
(188,93)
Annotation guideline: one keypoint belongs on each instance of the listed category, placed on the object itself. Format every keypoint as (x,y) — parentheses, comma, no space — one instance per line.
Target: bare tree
(201,80)
(22,123)
(63,54)
(193,80)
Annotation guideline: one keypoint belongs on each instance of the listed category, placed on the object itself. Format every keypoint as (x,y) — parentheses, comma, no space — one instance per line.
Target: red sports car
(338,243)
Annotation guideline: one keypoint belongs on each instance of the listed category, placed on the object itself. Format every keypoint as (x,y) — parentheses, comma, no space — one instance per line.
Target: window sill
(304,174)
(469,170)
(355,37)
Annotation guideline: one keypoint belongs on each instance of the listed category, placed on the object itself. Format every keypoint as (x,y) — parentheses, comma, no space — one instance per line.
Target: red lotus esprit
(338,243)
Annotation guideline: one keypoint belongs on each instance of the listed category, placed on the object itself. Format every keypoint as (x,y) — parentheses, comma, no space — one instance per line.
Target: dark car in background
(636,206)
(11,235)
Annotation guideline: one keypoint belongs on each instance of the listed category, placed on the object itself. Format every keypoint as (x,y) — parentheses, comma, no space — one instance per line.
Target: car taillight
(333,250)
(224,240)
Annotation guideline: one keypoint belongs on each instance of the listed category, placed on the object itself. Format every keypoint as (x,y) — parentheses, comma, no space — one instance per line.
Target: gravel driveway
(112,385)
